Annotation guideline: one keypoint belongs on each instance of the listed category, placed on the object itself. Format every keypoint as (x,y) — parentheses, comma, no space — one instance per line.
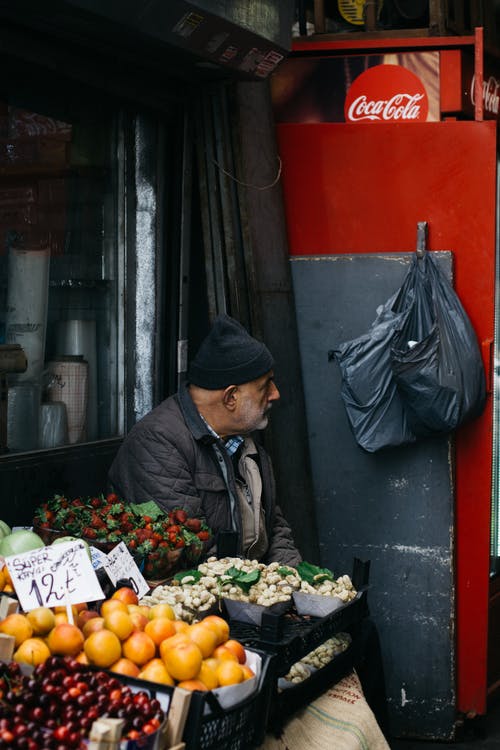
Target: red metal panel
(451,80)
(363,188)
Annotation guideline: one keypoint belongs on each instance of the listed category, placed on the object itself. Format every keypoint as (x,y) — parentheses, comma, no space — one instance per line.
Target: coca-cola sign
(386,93)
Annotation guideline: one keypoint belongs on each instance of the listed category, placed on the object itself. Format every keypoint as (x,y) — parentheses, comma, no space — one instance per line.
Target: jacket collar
(194,422)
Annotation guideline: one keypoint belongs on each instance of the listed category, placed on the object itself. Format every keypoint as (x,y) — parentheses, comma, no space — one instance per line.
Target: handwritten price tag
(55,575)
(121,564)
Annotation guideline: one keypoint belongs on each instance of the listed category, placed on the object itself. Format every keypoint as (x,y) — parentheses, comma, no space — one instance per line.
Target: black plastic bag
(418,370)
(435,356)
(373,404)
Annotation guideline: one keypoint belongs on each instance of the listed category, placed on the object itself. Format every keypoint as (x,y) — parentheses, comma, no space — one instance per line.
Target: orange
(81,658)
(219,625)
(208,673)
(180,626)
(139,647)
(139,621)
(142,609)
(65,640)
(62,610)
(237,648)
(224,654)
(42,620)
(102,648)
(156,671)
(191,685)
(248,673)
(17,625)
(204,637)
(174,640)
(95,623)
(161,610)
(32,651)
(2,578)
(85,615)
(159,628)
(126,594)
(125,666)
(61,617)
(229,673)
(119,623)
(7,577)
(109,605)
(183,661)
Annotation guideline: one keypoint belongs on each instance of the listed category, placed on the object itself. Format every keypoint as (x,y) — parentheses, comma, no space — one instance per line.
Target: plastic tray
(252,613)
(289,637)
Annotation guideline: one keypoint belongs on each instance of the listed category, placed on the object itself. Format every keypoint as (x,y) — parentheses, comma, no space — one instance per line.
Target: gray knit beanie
(229,356)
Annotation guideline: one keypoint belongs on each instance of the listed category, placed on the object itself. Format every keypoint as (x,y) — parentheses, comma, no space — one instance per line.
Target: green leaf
(196,574)
(244,580)
(146,509)
(283,571)
(313,574)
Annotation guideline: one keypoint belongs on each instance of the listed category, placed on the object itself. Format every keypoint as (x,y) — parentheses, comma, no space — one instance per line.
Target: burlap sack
(340,719)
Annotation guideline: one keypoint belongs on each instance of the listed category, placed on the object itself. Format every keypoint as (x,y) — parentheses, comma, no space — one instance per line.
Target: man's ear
(229,397)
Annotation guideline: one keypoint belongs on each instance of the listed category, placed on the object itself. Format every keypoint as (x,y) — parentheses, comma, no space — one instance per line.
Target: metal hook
(421,238)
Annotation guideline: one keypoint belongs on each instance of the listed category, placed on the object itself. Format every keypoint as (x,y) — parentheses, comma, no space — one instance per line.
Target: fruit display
(55,706)
(192,592)
(132,639)
(160,542)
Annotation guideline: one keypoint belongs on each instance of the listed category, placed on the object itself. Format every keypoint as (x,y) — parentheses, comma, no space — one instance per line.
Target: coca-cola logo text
(386,93)
(491,98)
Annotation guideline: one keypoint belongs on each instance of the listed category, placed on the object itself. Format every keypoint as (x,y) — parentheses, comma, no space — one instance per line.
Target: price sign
(121,564)
(55,575)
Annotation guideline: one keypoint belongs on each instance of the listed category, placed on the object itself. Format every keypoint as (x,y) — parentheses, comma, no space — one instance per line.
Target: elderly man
(195,450)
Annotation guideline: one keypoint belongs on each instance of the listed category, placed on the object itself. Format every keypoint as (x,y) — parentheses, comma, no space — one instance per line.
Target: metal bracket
(421,238)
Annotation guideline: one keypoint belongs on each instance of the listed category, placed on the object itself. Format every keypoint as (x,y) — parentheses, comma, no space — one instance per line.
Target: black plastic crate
(289,637)
(287,701)
(241,727)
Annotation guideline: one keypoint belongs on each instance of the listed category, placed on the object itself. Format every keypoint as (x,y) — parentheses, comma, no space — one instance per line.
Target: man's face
(255,399)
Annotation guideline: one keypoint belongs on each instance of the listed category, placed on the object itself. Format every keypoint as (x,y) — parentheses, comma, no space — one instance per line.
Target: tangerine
(17,625)
(162,609)
(224,654)
(119,623)
(42,620)
(110,605)
(125,666)
(181,626)
(248,673)
(139,647)
(139,620)
(219,625)
(81,658)
(155,671)
(159,628)
(32,651)
(183,661)
(92,625)
(204,637)
(126,594)
(229,673)
(237,648)
(192,685)
(65,639)
(102,648)
(208,673)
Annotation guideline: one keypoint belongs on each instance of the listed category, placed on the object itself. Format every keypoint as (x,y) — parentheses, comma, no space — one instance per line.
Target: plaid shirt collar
(231,444)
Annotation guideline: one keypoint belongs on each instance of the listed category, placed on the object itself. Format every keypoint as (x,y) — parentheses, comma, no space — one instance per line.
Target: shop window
(60,278)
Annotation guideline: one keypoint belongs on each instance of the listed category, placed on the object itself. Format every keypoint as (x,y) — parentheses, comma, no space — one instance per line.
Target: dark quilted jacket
(168,457)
